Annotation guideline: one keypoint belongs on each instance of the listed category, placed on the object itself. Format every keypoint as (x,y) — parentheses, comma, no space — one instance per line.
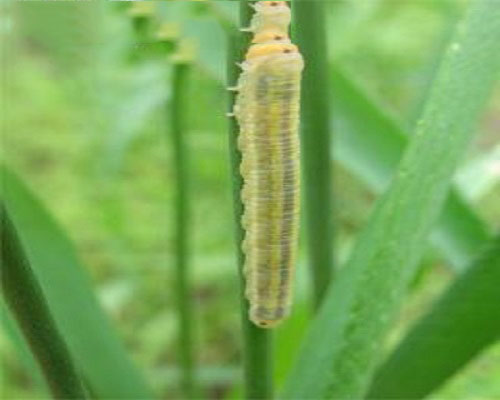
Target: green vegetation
(25,298)
(181,218)
(364,299)
(467,310)
(66,287)
(310,36)
(121,200)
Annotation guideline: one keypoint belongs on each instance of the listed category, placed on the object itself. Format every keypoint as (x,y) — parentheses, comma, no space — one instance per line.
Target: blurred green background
(84,123)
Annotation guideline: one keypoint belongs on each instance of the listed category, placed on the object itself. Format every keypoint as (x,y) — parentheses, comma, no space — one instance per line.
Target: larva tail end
(267,318)
(233,88)
(230,115)
(248,29)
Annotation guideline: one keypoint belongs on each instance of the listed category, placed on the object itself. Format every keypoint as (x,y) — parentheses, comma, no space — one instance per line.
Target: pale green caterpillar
(267,110)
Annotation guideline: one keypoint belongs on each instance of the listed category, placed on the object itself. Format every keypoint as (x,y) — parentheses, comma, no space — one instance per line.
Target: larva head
(270,36)
(270,49)
(271,14)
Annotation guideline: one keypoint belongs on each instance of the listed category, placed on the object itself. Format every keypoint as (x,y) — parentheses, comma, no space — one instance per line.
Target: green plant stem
(25,298)
(462,323)
(184,306)
(310,36)
(257,343)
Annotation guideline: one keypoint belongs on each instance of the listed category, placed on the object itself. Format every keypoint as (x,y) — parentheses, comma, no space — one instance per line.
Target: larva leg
(243,65)
(233,113)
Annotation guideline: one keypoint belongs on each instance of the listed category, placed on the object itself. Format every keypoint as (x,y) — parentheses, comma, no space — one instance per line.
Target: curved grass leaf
(87,331)
(370,143)
(14,336)
(26,301)
(342,347)
(463,322)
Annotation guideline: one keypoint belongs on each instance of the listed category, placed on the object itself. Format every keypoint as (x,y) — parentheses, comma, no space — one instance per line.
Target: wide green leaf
(68,290)
(370,143)
(342,347)
(24,296)
(463,322)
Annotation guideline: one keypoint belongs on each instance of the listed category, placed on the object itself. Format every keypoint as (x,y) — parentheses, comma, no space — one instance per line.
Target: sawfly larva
(267,111)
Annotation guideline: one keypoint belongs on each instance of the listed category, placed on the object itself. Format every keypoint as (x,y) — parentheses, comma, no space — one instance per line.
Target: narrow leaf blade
(341,350)
(370,143)
(463,322)
(68,291)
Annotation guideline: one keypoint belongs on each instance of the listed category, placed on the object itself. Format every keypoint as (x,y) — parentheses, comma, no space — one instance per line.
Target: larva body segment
(270,36)
(267,110)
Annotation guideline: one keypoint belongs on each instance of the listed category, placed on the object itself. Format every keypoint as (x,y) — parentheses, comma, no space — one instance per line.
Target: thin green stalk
(310,36)
(257,343)
(184,307)
(25,298)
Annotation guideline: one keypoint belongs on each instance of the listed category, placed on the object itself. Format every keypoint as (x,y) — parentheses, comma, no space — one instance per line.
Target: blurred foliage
(83,120)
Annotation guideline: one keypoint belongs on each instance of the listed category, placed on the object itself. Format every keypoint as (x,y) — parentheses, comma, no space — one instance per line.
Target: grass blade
(27,360)
(310,36)
(370,143)
(464,321)
(363,300)
(25,298)
(68,291)
(185,313)
(257,343)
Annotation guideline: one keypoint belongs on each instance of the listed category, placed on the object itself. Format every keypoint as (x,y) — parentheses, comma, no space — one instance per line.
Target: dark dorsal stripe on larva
(289,200)
(262,280)
(268,186)
(274,282)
